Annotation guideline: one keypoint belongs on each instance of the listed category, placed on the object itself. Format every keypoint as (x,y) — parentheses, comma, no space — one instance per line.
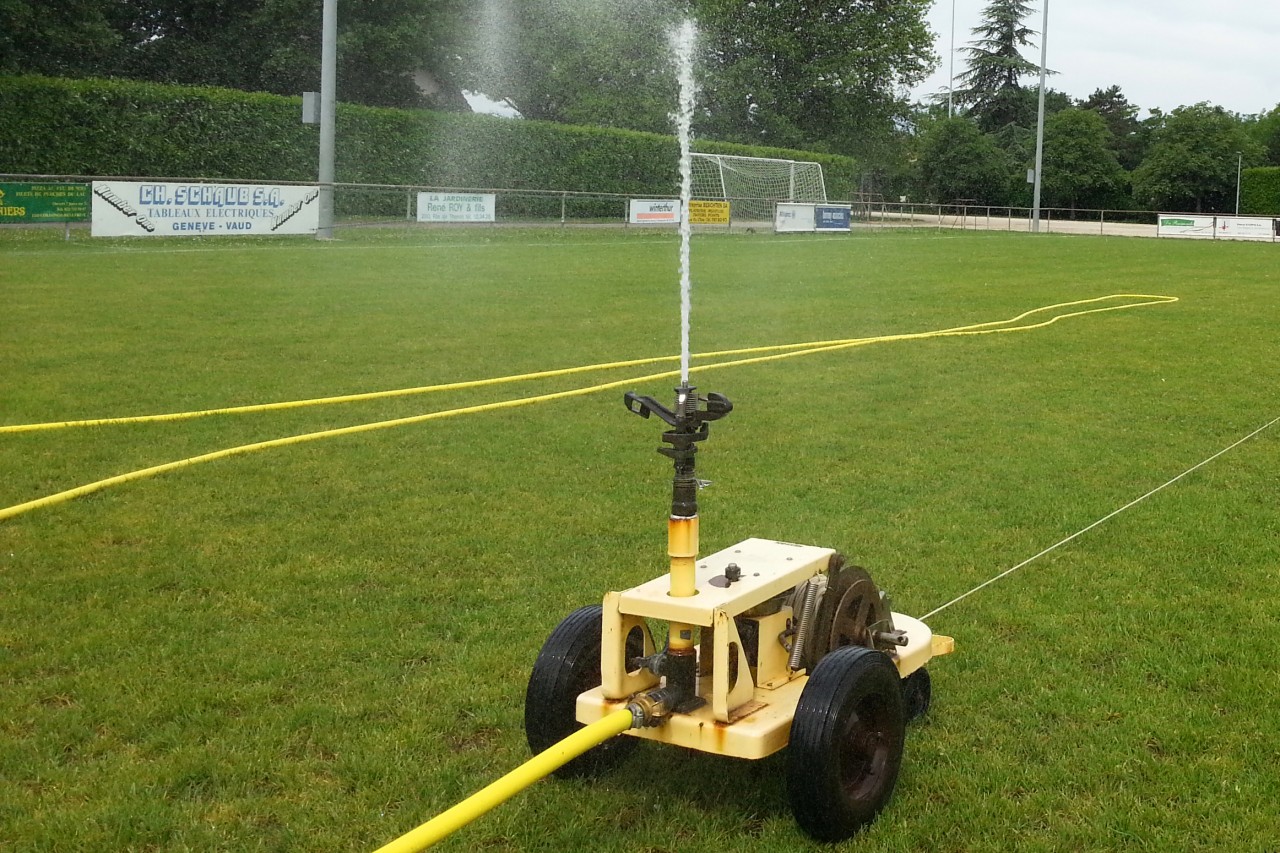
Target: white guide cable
(1106,517)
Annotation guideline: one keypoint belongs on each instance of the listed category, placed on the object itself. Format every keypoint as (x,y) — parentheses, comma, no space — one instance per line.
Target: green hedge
(125,128)
(1260,191)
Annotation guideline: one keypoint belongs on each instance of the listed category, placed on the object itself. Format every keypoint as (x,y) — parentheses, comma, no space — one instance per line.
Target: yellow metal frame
(768,569)
(748,710)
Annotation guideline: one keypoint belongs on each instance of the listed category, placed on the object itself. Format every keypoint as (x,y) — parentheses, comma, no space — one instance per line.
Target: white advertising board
(457,207)
(1246,228)
(153,209)
(791,216)
(649,211)
(1184,225)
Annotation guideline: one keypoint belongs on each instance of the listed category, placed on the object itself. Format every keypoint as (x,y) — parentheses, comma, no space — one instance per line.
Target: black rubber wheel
(917,690)
(846,743)
(569,664)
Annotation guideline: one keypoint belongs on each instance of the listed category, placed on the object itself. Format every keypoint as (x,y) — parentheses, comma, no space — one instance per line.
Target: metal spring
(812,589)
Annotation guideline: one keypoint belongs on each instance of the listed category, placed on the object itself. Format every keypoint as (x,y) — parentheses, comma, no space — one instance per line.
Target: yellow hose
(788,351)
(326,401)
(446,823)
(813,346)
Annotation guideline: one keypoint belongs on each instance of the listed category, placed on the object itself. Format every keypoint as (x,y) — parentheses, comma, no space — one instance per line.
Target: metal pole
(951,81)
(1044,55)
(328,105)
(1239,172)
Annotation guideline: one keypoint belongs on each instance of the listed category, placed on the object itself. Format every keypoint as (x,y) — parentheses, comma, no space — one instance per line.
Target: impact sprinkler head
(689,422)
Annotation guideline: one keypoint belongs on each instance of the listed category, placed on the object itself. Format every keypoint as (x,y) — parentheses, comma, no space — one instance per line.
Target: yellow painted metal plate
(768,568)
(760,733)
(920,645)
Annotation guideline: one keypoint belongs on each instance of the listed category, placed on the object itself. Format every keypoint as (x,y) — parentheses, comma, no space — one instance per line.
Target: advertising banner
(145,209)
(647,211)
(791,216)
(1246,228)
(47,202)
(708,212)
(457,207)
(833,217)
(1182,225)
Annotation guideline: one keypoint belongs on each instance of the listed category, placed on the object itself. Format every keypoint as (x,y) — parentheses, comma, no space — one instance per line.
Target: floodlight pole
(951,82)
(1239,172)
(1044,55)
(328,105)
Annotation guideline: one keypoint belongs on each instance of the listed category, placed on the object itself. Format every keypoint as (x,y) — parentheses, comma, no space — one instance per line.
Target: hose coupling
(652,707)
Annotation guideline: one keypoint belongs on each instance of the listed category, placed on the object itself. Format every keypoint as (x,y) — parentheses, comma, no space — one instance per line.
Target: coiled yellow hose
(776,353)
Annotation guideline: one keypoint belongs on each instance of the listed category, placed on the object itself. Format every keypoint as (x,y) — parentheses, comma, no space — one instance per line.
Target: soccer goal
(752,185)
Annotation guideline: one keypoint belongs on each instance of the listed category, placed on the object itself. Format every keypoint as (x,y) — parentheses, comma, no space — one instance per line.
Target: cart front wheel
(846,743)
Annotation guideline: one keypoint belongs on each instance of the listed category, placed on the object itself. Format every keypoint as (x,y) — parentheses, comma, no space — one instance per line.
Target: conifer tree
(991,87)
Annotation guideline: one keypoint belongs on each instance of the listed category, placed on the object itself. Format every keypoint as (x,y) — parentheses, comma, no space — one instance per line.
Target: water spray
(683,40)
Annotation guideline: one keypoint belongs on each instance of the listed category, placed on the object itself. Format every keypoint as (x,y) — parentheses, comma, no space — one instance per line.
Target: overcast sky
(1161,53)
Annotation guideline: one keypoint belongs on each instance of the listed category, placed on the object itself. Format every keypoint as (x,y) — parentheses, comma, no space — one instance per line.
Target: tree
(958,161)
(1128,137)
(991,86)
(72,38)
(255,45)
(780,72)
(794,72)
(1080,169)
(1193,158)
(783,72)
(1265,130)
(605,63)
(274,46)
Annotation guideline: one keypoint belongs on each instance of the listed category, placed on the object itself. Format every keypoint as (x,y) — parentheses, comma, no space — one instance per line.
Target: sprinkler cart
(768,644)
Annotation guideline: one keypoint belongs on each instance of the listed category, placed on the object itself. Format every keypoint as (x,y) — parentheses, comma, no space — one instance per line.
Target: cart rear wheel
(569,664)
(846,743)
(917,691)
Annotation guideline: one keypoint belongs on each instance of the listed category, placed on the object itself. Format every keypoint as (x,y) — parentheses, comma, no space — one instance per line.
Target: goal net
(752,185)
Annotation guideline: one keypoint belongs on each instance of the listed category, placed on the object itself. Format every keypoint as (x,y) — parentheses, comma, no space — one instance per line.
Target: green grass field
(319,647)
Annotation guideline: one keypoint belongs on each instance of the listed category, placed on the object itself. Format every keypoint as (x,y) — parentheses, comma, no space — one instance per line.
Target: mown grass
(319,647)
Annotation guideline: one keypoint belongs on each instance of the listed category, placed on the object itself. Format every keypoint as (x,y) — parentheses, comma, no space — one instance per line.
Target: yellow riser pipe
(508,786)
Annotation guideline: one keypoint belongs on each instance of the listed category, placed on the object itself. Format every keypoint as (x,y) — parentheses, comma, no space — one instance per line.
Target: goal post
(753,185)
